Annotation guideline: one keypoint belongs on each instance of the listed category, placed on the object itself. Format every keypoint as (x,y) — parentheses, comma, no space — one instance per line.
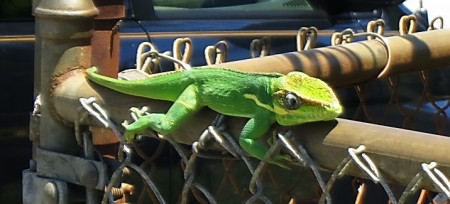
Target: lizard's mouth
(310,114)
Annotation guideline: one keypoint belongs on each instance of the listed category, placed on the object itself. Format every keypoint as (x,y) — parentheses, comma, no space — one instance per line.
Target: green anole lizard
(265,98)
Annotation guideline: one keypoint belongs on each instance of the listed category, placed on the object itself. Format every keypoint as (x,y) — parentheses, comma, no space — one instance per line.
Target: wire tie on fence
(371,171)
(144,61)
(301,154)
(184,56)
(437,177)
(407,24)
(377,25)
(306,38)
(123,148)
(214,131)
(170,58)
(216,54)
(348,35)
(260,47)
(100,110)
(293,148)
(442,176)
(219,125)
(219,138)
(90,101)
(203,141)
(82,115)
(102,116)
(432,22)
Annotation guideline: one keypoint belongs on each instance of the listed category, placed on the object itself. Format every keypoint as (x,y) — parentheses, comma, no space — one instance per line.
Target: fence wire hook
(185,55)
(306,38)
(437,177)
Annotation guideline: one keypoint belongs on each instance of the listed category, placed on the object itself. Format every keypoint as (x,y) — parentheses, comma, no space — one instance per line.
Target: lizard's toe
(283,160)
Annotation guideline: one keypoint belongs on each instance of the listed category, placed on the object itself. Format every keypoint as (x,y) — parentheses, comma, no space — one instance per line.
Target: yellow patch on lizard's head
(299,98)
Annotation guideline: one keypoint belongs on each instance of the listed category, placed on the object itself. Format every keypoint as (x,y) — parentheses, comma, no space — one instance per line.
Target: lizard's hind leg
(186,105)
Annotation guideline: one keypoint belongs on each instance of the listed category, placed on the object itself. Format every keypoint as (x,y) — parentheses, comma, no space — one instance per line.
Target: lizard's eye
(292,101)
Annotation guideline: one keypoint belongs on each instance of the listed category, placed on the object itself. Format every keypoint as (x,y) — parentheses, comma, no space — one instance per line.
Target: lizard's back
(219,89)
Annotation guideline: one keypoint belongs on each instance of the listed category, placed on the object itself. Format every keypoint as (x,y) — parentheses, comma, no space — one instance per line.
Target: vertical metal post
(63,33)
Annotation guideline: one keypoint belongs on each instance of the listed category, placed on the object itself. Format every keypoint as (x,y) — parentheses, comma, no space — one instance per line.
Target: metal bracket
(70,168)
(37,189)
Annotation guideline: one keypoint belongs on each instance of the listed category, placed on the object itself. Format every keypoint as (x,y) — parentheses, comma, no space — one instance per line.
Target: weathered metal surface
(391,149)
(72,169)
(327,142)
(36,189)
(64,30)
(357,62)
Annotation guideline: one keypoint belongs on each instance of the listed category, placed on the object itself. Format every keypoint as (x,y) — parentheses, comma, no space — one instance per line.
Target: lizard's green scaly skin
(265,98)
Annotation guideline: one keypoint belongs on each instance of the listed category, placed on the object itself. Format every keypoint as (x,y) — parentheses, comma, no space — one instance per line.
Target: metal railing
(203,162)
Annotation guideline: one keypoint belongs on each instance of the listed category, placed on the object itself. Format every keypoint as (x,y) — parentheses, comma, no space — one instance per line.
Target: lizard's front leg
(186,105)
(253,130)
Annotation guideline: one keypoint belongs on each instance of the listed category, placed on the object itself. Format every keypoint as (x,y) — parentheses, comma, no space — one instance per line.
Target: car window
(234,4)
(225,9)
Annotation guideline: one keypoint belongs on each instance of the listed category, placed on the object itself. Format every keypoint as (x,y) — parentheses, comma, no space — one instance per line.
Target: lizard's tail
(161,86)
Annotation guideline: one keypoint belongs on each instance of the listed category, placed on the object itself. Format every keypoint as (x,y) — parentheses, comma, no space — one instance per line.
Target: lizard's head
(299,98)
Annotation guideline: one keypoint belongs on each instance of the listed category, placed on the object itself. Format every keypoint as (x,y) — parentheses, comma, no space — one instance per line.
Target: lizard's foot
(282,160)
(137,113)
(138,127)
(128,135)
(131,130)
(279,159)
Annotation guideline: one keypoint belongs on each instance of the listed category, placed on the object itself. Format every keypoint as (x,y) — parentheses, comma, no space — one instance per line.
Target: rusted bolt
(125,188)
(126,171)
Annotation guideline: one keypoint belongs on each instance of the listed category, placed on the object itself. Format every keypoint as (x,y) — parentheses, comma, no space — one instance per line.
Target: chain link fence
(161,170)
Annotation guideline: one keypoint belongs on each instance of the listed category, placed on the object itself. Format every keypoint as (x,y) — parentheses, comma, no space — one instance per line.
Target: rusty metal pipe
(64,30)
(327,142)
(398,153)
(357,62)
